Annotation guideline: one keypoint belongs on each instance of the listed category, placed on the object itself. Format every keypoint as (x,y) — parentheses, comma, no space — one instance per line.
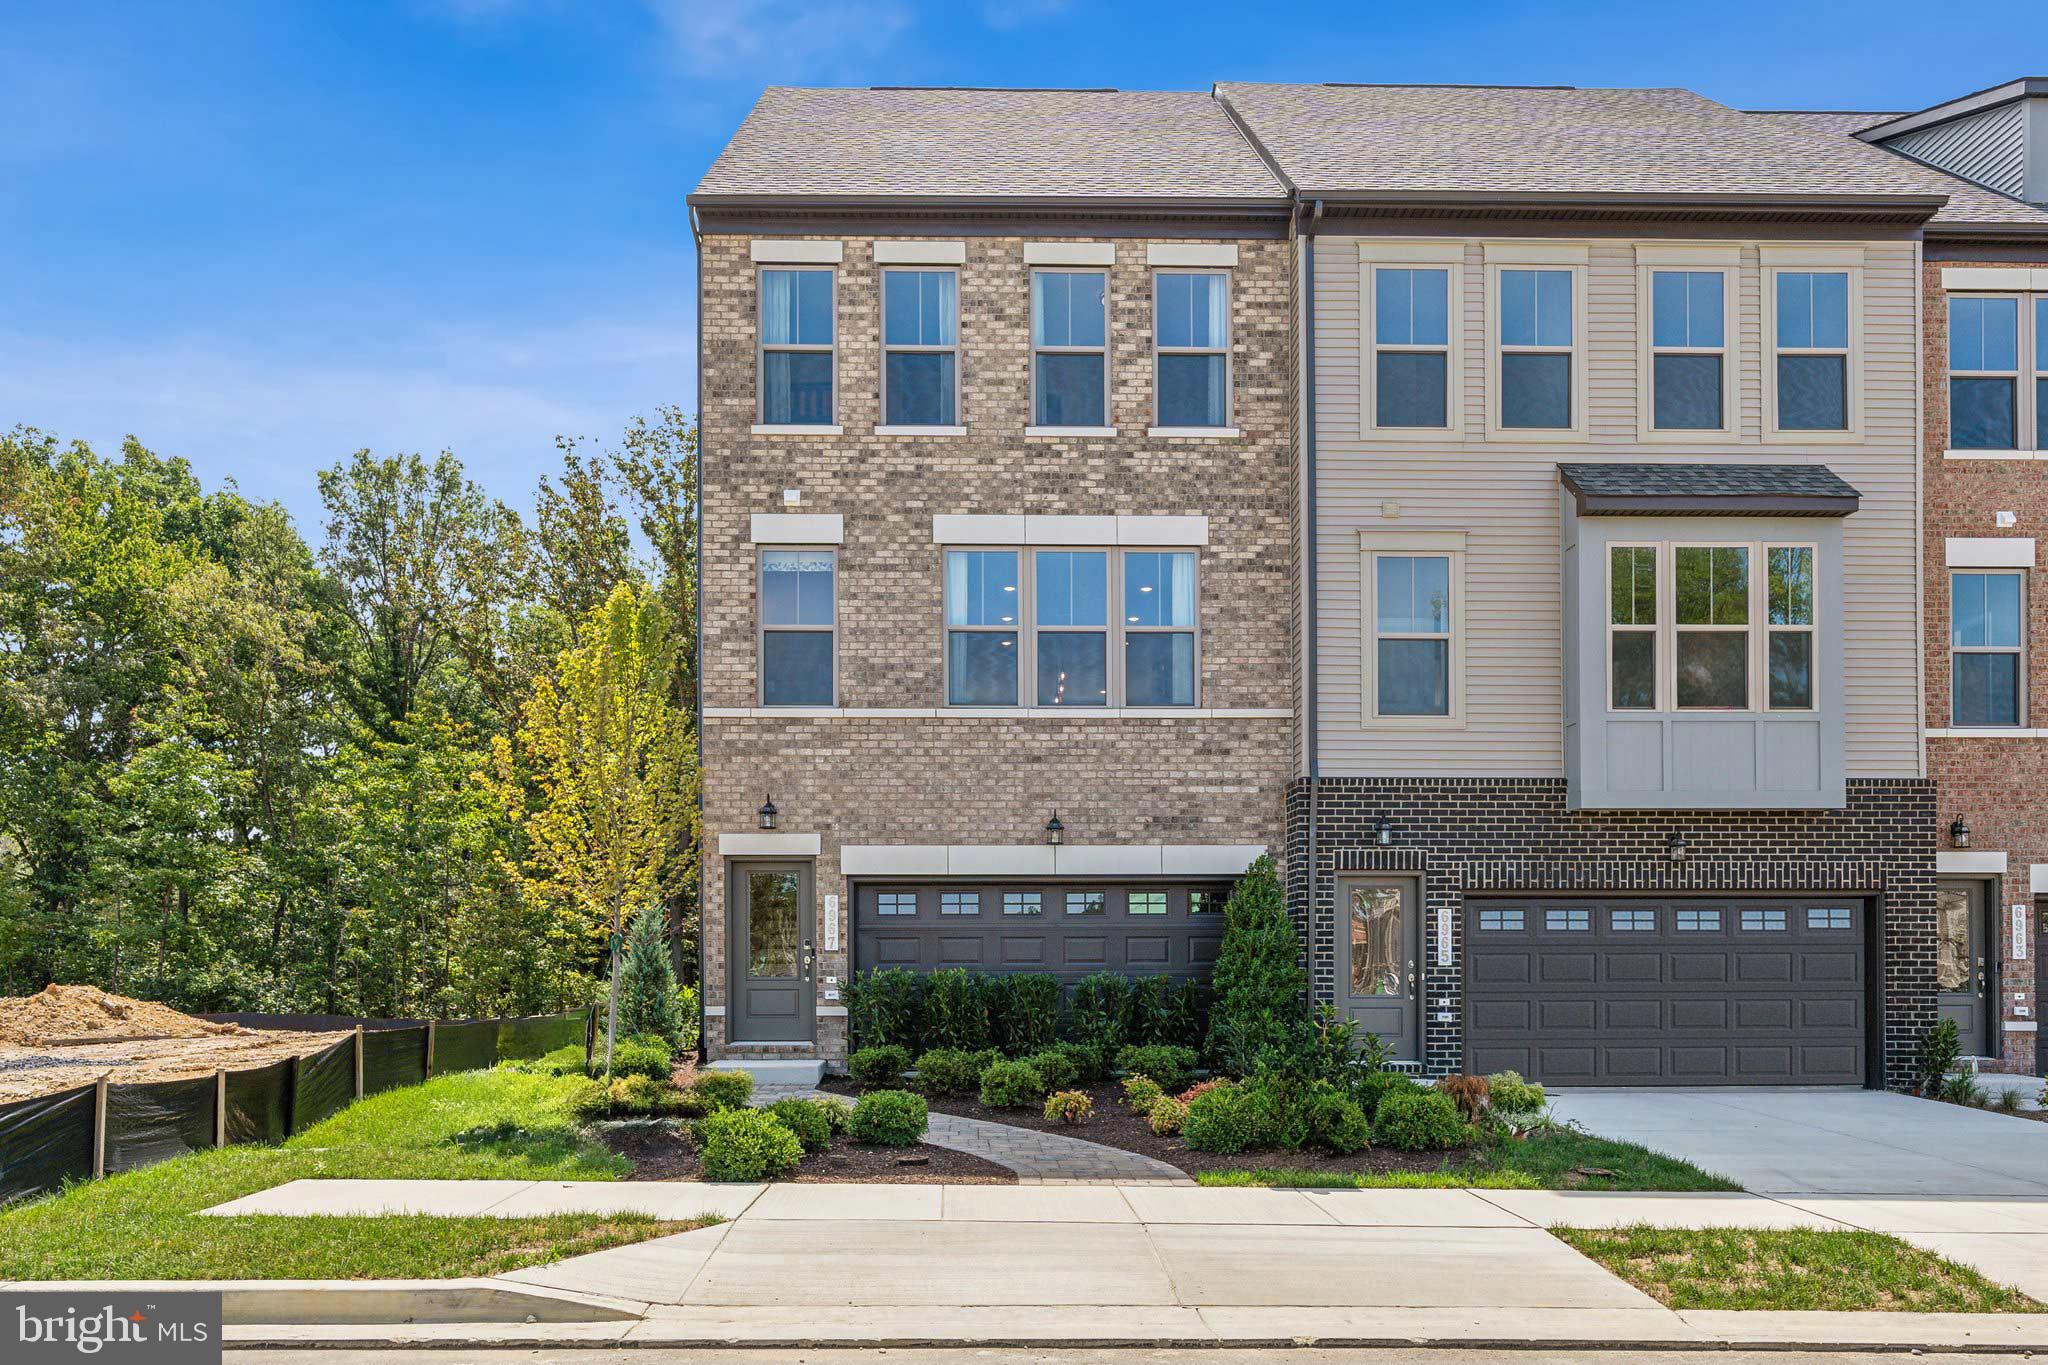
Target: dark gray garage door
(1667,992)
(1067,928)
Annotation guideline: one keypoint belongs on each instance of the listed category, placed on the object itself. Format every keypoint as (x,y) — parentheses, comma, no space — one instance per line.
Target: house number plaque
(831,924)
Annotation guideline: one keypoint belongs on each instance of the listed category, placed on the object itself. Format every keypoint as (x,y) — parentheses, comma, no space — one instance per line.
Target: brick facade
(881,773)
(1516,834)
(1994,784)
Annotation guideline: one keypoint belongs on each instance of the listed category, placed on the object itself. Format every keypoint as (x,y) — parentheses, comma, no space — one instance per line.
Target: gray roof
(1419,142)
(978,145)
(1785,490)
(1968,203)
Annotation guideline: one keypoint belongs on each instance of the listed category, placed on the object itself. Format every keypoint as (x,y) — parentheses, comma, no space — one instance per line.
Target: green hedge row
(1021,1013)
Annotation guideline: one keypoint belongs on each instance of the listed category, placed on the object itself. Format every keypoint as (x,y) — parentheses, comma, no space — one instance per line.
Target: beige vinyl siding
(1505,494)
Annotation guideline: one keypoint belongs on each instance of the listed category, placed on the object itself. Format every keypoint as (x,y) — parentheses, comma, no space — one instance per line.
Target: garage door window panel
(1023,903)
(1087,903)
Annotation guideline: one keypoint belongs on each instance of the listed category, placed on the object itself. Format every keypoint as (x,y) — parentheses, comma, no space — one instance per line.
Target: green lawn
(479,1125)
(1791,1270)
(1555,1159)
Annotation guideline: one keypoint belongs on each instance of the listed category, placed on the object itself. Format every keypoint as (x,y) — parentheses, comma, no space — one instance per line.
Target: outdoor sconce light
(1383,832)
(1675,849)
(1054,830)
(1959,833)
(768,813)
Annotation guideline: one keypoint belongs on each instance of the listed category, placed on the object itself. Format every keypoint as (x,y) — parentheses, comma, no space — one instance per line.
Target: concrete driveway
(1794,1141)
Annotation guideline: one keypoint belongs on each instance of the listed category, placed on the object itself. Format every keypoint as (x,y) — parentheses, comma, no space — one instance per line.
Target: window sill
(1070,431)
(1837,437)
(1987,732)
(1512,435)
(1411,434)
(999,712)
(1689,436)
(1222,433)
(920,431)
(1994,454)
(773,429)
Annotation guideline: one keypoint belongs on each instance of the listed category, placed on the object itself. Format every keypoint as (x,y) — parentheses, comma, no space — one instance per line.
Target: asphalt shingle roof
(1334,140)
(988,144)
(1728,489)
(1968,202)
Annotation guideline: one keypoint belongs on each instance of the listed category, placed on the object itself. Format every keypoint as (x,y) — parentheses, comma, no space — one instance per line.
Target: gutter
(1308,534)
(1256,205)
(1692,203)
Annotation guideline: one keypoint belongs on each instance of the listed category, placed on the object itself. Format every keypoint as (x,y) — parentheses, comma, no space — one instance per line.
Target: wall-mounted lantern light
(1054,830)
(1675,849)
(1383,832)
(1959,833)
(768,813)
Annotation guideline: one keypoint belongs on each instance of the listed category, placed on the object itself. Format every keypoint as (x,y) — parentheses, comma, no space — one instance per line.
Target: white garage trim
(1041,860)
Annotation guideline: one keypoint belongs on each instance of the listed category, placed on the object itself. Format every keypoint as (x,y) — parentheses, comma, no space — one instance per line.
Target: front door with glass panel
(1381,938)
(769,952)
(1961,973)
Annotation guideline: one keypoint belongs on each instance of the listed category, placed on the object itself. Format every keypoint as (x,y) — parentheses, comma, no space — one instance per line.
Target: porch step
(794,1071)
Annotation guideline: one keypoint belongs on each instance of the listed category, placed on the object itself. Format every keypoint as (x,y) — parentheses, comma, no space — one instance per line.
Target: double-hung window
(1411,350)
(920,348)
(1692,627)
(797,332)
(1690,363)
(1712,655)
(1414,611)
(1070,348)
(1070,636)
(1632,627)
(984,619)
(1191,345)
(1812,387)
(1537,335)
(1984,351)
(1159,627)
(799,616)
(1788,627)
(1987,662)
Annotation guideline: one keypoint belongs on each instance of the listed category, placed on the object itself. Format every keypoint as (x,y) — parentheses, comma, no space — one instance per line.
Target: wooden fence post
(430,1049)
(99,1127)
(359,1061)
(220,1107)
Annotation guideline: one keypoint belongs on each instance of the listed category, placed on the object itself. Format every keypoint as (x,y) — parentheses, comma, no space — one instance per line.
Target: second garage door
(1667,992)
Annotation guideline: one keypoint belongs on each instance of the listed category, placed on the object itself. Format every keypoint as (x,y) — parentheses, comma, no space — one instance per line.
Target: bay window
(1691,627)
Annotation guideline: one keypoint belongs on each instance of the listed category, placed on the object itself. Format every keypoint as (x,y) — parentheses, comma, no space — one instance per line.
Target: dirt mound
(60,1014)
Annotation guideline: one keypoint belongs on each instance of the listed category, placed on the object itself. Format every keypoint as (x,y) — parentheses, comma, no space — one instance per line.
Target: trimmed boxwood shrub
(879,1068)
(807,1119)
(1069,1106)
(1055,1066)
(634,1057)
(746,1144)
(890,1118)
(1172,1067)
(717,1090)
(1229,1118)
(1011,1085)
(1325,1118)
(1420,1120)
(1375,1086)
(949,1071)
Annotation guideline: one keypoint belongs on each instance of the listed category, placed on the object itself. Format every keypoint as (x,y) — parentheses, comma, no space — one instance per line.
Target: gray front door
(769,954)
(1961,941)
(1380,944)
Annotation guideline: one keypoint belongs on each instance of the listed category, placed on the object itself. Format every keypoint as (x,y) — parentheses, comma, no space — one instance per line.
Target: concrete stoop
(776,1071)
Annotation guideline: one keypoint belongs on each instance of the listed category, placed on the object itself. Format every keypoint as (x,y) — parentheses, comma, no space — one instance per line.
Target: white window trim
(1372,545)
(1667,610)
(1650,259)
(1036,350)
(1450,256)
(2030,365)
(763,427)
(1497,348)
(1116,632)
(1852,357)
(2022,700)
(887,427)
(762,629)
(1757,632)
(1655,630)
(1225,350)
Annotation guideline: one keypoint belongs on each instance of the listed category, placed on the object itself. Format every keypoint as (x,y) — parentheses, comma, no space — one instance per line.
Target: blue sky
(262,235)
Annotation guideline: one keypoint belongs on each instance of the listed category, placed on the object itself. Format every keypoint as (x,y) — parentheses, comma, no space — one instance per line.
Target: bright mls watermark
(116,1328)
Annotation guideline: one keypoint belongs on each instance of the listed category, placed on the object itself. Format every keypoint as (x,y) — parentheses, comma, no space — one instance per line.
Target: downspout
(697,606)
(1308,540)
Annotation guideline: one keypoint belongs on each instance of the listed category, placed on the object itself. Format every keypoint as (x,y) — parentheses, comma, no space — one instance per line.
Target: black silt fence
(104,1129)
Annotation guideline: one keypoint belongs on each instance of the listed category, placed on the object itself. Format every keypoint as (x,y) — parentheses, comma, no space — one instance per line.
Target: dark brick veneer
(1465,835)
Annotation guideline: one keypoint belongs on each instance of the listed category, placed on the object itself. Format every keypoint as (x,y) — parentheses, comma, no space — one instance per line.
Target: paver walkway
(1037,1158)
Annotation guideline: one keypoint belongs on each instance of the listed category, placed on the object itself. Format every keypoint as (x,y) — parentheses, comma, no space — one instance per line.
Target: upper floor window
(1986,650)
(1191,345)
(984,611)
(920,348)
(1070,617)
(1159,627)
(799,617)
(796,347)
(1070,348)
(1411,350)
(1984,364)
(1688,350)
(1412,635)
(1537,337)
(1731,638)
(1632,627)
(1812,373)
(2041,372)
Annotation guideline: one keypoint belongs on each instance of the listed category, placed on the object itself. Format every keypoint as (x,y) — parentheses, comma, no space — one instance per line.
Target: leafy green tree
(1260,1017)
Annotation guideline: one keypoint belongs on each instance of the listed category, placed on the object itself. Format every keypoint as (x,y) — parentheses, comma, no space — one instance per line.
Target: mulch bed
(665,1152)
(1116,1126)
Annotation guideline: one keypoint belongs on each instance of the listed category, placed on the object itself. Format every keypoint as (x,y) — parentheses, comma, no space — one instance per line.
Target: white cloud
(781,40)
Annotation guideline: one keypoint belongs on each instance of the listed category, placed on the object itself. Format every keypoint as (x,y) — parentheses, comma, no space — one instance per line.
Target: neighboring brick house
(1985,439)
(1612,758)
(996,527)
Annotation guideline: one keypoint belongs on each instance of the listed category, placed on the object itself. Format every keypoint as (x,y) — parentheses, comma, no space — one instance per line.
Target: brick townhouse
(1504,505)
(1984,272)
